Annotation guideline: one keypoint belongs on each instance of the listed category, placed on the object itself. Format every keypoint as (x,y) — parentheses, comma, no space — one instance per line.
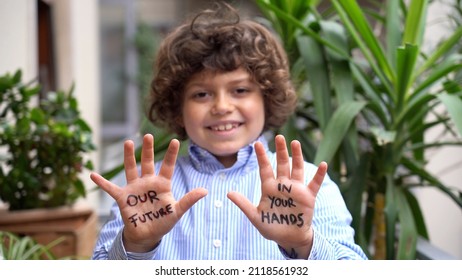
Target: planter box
(78,225)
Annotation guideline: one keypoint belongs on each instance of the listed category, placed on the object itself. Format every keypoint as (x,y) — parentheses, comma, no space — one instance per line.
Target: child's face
(223,112)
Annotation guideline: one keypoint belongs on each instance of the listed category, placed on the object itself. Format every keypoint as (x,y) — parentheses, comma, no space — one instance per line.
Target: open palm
(286,207)
(147,206)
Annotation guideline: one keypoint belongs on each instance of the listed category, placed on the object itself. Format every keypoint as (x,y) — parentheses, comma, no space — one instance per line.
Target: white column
(18,29)
(77,57)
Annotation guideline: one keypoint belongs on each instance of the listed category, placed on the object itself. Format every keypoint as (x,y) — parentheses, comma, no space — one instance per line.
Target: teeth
(223,127)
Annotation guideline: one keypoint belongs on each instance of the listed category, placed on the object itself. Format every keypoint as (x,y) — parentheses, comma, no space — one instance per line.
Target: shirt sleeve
(333,235)
(110,244)
(322,249)
(118,252)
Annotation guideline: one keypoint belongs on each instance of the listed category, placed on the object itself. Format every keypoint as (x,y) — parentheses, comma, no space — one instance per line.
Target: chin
(224,151)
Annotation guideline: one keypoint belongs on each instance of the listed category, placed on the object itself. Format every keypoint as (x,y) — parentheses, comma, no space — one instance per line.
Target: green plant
(42,147)
(367,102)
(14,247)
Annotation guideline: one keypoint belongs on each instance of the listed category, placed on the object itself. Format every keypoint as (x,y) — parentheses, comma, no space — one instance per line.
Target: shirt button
(218,203)
(217,243)
(222,176)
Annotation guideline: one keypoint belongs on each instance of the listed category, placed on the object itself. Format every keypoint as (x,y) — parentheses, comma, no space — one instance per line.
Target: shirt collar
(206,162)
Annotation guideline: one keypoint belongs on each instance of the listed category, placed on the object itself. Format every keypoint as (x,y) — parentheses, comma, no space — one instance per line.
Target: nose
(223,104)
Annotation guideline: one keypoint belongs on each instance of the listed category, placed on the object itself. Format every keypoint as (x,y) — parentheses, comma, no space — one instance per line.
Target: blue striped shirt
(215,229)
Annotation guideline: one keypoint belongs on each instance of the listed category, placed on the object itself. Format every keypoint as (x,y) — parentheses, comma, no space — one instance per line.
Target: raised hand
(147,206)
(286,208)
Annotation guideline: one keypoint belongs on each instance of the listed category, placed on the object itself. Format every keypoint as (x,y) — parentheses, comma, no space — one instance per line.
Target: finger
(266,171)
(168,164)
(188,200)
(297,161)
(245,205)
(147,155)
(316,182)
(113,190)
(282,157)
(131,172)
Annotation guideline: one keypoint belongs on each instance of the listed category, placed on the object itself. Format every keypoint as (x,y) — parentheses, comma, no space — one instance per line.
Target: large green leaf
(312,53)
(415,22)
(377,104)
(450,65)
(339,66)
(413,108)
(416,213)
(453,104)
(407,57)
(393,30)
(343,85)
(336,129)
(353,191)
(442,50)
(426,176)
(407,241)
(356,22)
(391,216)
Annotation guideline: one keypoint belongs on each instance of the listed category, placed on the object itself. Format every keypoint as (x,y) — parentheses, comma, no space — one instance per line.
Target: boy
(221,83)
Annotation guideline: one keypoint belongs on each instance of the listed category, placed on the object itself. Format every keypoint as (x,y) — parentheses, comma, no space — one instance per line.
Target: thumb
(244,204)
(189,199)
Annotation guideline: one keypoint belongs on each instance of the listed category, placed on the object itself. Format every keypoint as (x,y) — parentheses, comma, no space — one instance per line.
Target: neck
(227,161)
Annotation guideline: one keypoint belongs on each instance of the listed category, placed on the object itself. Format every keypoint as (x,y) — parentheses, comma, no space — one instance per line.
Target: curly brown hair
(218,40)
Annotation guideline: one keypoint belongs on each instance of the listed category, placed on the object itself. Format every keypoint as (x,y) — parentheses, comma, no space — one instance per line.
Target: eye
(240,91)
(200,95)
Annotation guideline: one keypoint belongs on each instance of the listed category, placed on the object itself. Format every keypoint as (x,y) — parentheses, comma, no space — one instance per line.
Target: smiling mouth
(224,127)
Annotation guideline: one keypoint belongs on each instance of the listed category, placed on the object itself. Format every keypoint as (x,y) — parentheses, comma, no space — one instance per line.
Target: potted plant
(42,153)
(372,101)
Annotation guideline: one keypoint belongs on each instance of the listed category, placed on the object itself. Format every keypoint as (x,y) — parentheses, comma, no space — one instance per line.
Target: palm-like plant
(373,101)
(14,247)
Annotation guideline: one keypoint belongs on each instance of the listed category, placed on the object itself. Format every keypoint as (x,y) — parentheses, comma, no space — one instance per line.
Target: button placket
(219,226)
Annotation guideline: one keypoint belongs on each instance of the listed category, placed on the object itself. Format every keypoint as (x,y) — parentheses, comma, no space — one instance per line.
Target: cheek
(191,115)
(256,111)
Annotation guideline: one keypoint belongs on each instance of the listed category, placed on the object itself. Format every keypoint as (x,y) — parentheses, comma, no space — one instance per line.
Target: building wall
(19,37)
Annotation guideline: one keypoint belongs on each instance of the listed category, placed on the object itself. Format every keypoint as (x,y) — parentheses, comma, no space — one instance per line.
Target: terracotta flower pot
(77,224)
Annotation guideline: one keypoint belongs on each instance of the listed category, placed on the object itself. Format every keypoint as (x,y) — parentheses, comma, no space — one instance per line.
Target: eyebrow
(234,81)
(240,80)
